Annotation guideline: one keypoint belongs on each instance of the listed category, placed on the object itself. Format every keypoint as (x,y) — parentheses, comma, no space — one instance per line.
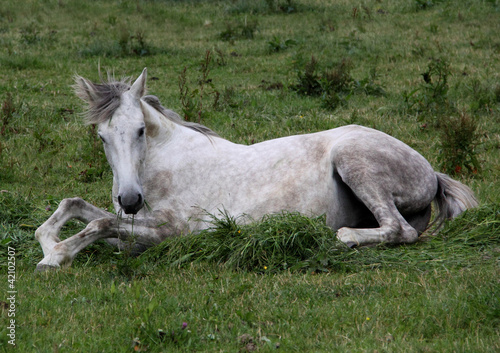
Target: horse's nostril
(119,199)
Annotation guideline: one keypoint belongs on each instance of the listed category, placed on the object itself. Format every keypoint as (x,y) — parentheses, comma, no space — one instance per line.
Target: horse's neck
(166,134)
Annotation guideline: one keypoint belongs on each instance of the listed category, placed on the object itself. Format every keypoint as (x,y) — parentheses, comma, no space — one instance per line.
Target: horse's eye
(141,131)
(102,138)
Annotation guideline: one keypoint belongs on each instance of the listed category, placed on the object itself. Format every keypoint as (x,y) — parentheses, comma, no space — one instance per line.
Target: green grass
(283,281)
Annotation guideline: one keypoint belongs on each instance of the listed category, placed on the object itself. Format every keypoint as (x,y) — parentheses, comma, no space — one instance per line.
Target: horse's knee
(408,235)
(39,233)
(397,230)
(74,202)
(390,229)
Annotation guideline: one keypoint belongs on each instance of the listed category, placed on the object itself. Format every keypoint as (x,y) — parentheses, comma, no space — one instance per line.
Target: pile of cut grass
(290,241)
(277,242)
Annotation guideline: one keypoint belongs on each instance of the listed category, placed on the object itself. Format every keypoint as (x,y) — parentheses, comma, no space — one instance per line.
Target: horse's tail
(452,198)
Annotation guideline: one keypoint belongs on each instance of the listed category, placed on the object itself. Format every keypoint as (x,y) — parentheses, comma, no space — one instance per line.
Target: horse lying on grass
(372,187)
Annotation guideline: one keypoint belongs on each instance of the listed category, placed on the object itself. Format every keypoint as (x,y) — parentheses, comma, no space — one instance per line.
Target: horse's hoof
(351,244)
(45,268)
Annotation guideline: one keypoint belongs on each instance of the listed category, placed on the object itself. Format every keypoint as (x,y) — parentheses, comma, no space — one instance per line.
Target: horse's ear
(85,90)
(138,89)
(151,119)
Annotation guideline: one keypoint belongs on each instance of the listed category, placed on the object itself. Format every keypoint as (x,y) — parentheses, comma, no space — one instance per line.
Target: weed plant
(264,7)
(458,131)
(237,31)
(194,100)
(459,142)
(284,6)
(426,4)
(308,79)
(431,99)
(335,86)
(276,44)
(369,85)
(123,42)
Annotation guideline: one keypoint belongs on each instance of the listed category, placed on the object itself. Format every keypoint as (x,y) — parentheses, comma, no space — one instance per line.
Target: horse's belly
(294,185)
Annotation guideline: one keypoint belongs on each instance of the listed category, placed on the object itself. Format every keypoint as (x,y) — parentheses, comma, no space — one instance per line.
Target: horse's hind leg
(377,197)
(48,233)
(390,179)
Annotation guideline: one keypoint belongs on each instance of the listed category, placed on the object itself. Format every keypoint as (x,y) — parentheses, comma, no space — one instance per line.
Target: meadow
(425,71)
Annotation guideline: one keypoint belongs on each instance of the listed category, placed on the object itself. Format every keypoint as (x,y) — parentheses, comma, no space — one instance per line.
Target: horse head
(116,109)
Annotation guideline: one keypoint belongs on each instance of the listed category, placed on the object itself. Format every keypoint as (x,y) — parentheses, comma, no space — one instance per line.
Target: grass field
(426,72)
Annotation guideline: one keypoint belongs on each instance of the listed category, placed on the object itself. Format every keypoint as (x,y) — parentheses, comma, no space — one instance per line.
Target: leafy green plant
(369,85)
(228,98)
(459,138)
(125,43)
(431,97)
(332,99)
(436,79)
(221,57)
(193,101)
(426,4)
(276,44)
(286,6)
(338,79)
(335,80)
(236,30)
(134,43)
(308,79)
(335,85)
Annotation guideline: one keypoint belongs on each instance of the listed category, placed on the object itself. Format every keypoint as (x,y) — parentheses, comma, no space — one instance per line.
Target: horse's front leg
(75,208)
(143,232)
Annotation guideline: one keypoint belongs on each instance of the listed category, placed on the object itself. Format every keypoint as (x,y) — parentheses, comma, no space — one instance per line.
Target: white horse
(372,187)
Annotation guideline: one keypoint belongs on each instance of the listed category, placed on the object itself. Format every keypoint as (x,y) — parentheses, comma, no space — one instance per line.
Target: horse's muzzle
(131,203)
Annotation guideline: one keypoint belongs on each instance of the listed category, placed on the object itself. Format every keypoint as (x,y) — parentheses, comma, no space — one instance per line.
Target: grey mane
(106,98)
(174,117)
(103,98)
